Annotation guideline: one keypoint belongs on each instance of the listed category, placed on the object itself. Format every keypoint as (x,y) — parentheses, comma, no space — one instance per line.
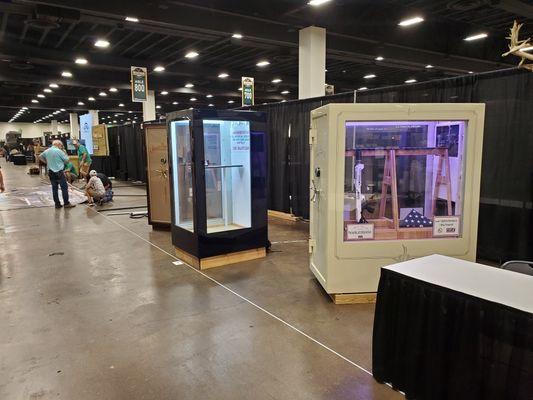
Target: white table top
(500,286)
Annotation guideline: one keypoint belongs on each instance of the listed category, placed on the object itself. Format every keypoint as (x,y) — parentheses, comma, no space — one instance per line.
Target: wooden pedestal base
(353,298)
(223,259)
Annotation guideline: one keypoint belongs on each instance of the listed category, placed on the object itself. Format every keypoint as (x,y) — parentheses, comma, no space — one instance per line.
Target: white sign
(446,226)
(359,232)
(86,131)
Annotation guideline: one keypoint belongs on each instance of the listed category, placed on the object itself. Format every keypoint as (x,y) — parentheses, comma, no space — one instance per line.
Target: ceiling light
(131,19)
(47,90)
(62,109)
(429,66)
(236,36)
(240,89)
(91,99)
(317,3)
(193,99)
(470,72)
(54,85)
(102,43)
(103,94)
(81,103)
(209,96)
(121,105)
(189,85)
(175,103)
(379,58)
(276,80)
(164,92)
(41,96)
(410,81)
(369,76)
(114,121)
(129,112)
(285,92)
(159,68)
(223,75)
(527,48)
(263,63)
(24,108)
(158,107)
(81,61)
(66,74)
(113,89)
(191,54)
(210,105)
(283,101)
(476,37)
(411,21)
(231,101)
(325,70)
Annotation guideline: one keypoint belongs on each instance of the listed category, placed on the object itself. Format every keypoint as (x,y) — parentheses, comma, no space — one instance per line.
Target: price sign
(139,84)
(247,91)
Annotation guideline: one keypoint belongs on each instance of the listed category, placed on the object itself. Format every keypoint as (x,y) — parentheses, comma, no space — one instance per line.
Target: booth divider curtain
(506,204)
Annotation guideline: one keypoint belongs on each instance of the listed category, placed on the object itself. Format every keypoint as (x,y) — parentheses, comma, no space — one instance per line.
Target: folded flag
(415,220)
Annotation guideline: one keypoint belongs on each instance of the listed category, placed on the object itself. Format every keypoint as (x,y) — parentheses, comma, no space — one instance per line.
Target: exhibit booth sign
(139,84)
(248,95)
(391,182)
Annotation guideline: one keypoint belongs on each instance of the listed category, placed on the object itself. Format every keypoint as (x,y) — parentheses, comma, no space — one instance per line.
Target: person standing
(55,160)
(84,158)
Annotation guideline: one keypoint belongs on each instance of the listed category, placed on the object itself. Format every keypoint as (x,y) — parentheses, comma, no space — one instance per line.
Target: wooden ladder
(389,180)
(443,180)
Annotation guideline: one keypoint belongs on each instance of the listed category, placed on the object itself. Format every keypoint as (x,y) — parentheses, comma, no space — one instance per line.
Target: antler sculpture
(516,46)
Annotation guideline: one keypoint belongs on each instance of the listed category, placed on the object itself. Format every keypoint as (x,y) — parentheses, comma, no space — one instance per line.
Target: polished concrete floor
(92,307)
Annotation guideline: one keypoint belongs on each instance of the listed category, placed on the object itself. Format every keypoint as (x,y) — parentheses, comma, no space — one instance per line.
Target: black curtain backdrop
(506,216)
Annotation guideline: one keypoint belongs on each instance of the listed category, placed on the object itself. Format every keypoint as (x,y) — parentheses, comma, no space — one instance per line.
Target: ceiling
(40,39)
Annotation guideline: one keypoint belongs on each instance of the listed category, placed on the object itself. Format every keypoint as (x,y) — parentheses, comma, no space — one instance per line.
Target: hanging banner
(247,91)
(139,84)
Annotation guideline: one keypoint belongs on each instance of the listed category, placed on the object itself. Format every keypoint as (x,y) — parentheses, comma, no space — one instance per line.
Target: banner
(86,131)
(247,91)
(139,84)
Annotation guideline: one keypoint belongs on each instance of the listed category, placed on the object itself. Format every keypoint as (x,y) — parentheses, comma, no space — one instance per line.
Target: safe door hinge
(312,136)
(312,245)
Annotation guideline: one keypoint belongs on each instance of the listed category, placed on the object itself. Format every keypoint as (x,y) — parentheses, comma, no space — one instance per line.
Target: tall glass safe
(218,182)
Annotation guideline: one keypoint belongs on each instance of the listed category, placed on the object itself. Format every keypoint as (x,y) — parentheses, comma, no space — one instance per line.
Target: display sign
(100,140)
(139,84)
(446,226)
(86,131)
(247,91)
(354,232)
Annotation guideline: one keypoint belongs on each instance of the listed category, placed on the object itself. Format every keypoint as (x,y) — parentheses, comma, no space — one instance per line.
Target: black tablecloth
(435,343)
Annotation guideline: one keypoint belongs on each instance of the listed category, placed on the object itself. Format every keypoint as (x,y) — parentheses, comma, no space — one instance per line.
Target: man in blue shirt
(55,160)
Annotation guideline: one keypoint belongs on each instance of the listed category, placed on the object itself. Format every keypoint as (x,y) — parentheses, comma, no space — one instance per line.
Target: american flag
(415,220)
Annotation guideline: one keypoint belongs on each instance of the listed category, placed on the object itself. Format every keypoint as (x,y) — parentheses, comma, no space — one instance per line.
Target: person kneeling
(94,190)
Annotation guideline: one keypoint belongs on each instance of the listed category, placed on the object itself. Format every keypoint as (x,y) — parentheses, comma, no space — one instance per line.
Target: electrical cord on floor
(138,216)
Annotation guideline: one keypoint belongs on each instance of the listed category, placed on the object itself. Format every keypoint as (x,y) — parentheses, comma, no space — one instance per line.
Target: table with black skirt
(445,328)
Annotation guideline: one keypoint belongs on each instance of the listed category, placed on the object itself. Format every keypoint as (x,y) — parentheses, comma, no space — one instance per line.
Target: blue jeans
(58,179)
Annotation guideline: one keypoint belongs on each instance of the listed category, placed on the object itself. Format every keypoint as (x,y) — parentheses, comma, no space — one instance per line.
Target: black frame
(199,243)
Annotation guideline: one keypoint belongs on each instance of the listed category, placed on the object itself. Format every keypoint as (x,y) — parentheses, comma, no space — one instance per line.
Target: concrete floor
(90,309)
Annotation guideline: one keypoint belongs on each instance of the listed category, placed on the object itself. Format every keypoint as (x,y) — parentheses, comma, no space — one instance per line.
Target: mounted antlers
(516,46)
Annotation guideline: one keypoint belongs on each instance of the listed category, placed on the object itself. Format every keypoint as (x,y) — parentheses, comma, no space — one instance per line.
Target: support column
(55,130)
(94,114)
(312,62)
(149,107)
(74,126)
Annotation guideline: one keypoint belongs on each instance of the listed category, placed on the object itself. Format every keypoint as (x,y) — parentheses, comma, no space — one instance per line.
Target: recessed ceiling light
(114,121)
(24,108)
(475,37)
(131,19)
(369,76)
(81,61)
(236,36)
(81,103)
(231,101)
(411,21)
(189,85)
(91,99)
(210,105)
(157,107)
(129,112)
(54,85)
(410,81)
(41,96)
(121,105)
(103,94)
(285,92)
(429,66)
(209,96)
(379,58)
(276,80)
(159,68)
(66,74)
(191,54)
(470,72)
(164,92)
(283,101)
(223,75)
(240,89)
(317,3)
(175,103)
(62,109)
(263,63)
(193,99)
(325,70)
(47,90)
(113,89)
(102,43)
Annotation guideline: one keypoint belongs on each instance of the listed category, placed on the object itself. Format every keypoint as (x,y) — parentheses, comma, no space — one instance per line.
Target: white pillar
(94,114)
(55,130)
(312,62)
(74,126)
(149,107)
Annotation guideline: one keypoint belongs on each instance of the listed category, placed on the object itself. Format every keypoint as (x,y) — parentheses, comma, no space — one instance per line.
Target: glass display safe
(390,182)
(218,179)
